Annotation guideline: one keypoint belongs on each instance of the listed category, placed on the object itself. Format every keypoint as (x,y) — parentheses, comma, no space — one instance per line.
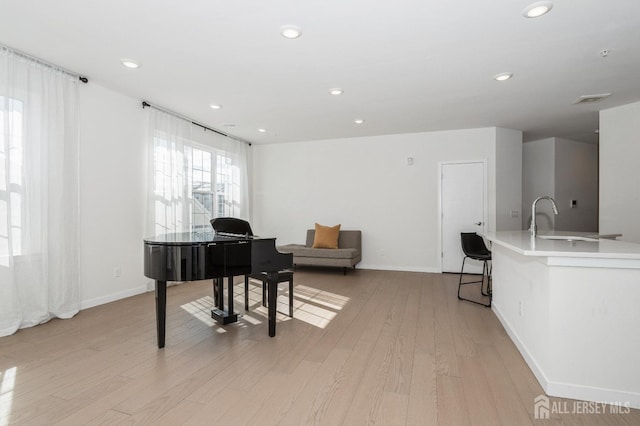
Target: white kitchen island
(573,310)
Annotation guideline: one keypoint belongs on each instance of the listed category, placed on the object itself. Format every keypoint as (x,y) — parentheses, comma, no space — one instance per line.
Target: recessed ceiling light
(336,91)
(215,106)
(589,99)
(537,9)
(262,130)
(503,76)
(130,63)
(290,31)
(358,121)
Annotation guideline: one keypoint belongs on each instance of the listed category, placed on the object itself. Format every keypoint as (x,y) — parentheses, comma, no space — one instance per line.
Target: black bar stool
(474,248)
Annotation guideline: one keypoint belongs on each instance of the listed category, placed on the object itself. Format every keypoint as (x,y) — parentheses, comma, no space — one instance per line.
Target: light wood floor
(372,347)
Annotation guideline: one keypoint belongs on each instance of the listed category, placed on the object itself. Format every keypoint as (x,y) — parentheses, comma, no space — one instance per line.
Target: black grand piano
(229,251)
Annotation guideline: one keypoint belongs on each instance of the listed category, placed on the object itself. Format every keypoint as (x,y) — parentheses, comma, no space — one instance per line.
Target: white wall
(620,171)
(365,183)
(576,174)
(565,170)
(508,179)
(112,195)
(538,178)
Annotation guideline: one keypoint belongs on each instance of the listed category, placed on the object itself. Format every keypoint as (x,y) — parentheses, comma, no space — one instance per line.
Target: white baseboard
(397,268)
(528,358)
(567,390)
(587,393)
(86,304)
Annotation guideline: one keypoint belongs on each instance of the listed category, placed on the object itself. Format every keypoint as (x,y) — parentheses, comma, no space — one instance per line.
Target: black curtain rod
(82,78)
(146,104)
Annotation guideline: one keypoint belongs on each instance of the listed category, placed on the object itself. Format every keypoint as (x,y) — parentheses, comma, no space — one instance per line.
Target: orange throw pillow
(326,236)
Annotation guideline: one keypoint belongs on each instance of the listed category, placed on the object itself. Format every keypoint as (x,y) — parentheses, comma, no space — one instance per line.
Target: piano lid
(227,229)
(181,238)
(190,238)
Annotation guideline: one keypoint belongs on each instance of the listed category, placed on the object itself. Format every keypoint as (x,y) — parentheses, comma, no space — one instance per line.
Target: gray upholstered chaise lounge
(347,255)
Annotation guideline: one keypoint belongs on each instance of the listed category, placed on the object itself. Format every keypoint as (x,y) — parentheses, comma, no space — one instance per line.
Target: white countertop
(522,243)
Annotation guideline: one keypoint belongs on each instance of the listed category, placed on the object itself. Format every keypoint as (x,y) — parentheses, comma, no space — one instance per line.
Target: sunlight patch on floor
(252,320)
(200,309)
(256,308)
(7,384)
(320,297)
(314,315)
(311,305)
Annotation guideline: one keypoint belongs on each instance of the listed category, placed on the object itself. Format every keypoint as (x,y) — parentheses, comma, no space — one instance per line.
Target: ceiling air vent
(589,99)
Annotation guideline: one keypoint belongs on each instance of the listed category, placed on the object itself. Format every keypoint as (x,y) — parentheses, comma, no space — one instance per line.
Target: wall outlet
(117,272)
(515,213)
(573,204)
(520,310)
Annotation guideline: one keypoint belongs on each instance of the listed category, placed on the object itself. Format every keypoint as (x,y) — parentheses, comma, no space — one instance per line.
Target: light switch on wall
(573,204)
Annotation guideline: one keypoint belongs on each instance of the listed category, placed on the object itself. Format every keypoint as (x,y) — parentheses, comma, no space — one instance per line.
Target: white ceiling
(405,65)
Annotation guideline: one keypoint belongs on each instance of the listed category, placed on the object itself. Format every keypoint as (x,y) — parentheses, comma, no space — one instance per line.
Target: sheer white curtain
(39,269)
(169,198)
(193,175)
(232,172)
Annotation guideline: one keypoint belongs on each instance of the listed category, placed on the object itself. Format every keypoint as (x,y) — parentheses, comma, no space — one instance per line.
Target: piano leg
(161,310)
(216,284)
(230,296)
(272,282)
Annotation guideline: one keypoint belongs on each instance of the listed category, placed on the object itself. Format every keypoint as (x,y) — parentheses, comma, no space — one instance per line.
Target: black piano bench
(283,276)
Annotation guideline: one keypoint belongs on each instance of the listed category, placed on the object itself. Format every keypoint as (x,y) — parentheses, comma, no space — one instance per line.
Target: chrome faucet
(534,228)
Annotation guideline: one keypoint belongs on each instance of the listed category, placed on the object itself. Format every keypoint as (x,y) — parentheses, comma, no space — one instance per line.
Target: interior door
(463,210)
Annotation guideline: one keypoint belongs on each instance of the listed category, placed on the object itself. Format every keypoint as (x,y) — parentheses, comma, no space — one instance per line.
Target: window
(210,181)
(201,183)
(11,180)
(224,185)
(210,198)
(194,176)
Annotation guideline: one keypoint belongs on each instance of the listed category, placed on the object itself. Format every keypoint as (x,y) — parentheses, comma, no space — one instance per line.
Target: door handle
(478,223)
